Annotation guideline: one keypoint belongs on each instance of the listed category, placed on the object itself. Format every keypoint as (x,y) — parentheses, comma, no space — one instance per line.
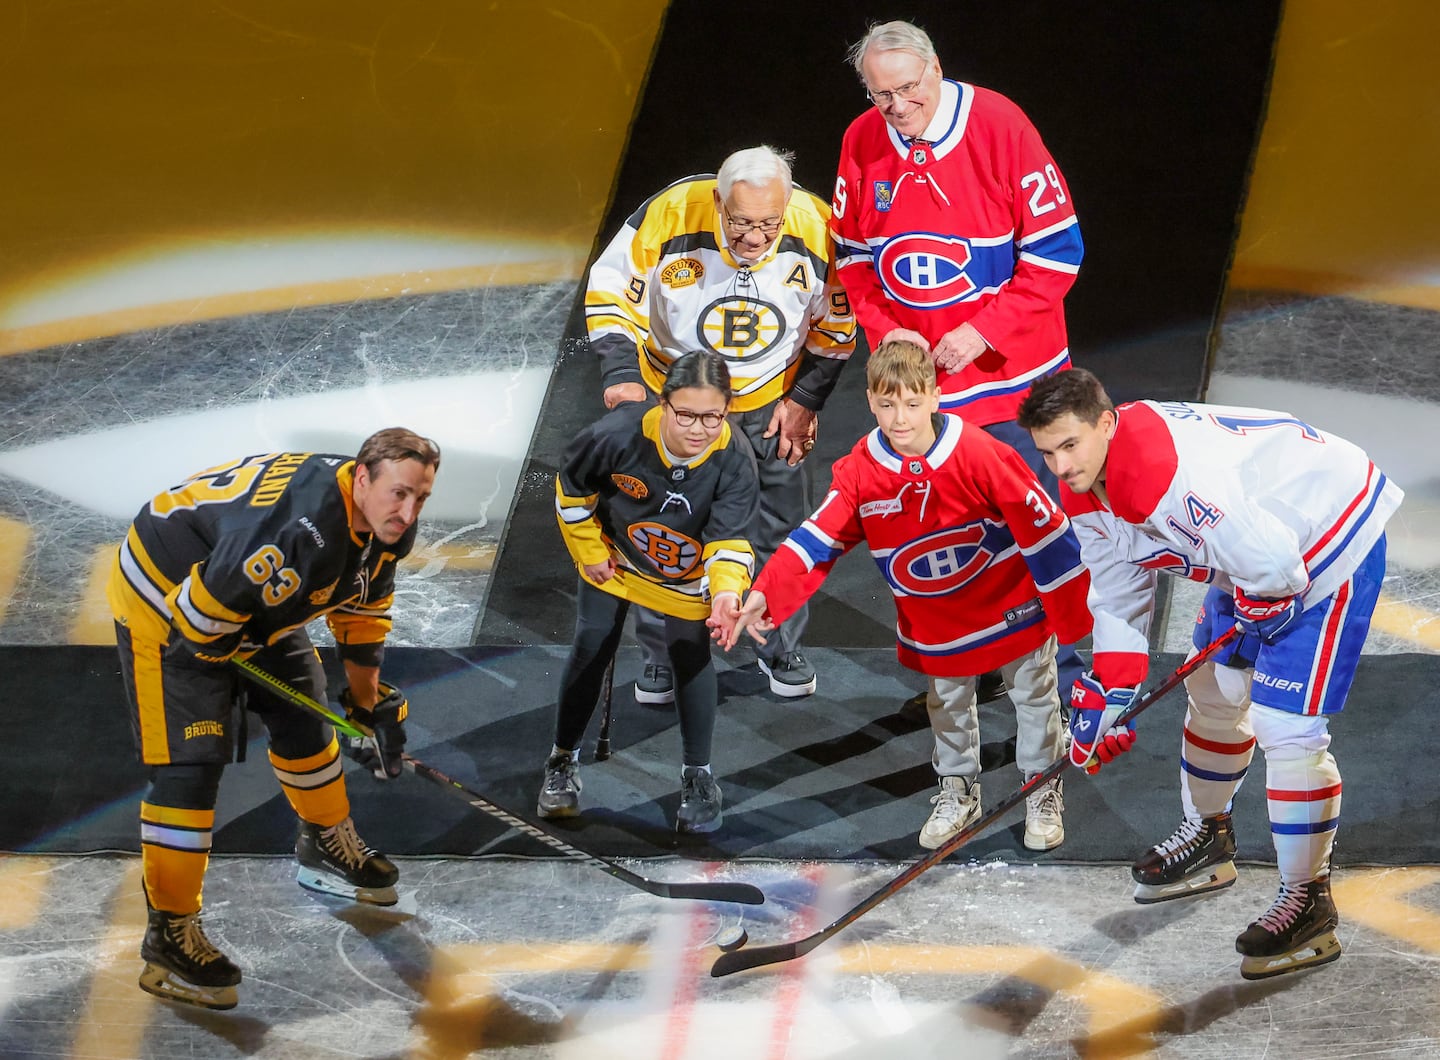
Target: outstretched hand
(749,619)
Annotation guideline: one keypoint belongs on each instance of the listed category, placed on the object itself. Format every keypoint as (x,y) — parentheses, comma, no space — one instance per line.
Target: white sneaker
(956,806)
(1044,830)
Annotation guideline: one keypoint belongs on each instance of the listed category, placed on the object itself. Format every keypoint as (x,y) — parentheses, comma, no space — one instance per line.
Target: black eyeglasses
(907,92)
(687,418)
(743,227)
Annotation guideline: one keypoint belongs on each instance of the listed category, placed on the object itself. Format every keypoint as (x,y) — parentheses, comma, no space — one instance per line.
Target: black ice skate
(699,801)
(1298,931)
(181,964)
(1199,857)
(337,861)
(560,793)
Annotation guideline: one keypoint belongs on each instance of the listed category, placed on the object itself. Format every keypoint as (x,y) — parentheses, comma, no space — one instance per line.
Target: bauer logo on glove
(381,750)
(1094,737)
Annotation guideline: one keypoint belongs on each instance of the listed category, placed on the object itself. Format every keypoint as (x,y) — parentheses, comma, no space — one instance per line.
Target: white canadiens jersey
(668,284)
(1234,497)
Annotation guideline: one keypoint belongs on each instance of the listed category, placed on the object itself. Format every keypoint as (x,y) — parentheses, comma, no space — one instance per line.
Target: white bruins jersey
(668,284)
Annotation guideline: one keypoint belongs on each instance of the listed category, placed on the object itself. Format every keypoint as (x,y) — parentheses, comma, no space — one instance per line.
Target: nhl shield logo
(920,156)
(884,195)
(916,467)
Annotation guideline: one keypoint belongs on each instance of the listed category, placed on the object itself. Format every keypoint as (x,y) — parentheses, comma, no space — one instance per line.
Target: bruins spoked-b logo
(674,554)
(739,328)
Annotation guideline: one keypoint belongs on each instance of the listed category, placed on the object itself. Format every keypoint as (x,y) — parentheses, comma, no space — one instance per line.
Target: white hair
(756,166)
(894,36)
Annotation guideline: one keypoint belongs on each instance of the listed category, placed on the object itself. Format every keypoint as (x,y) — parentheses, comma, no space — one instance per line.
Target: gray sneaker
(699,801)
(656,686)
(560,794)
(791,675)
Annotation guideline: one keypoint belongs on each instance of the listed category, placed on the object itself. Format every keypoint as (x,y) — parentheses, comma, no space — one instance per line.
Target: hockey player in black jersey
(656,506)
(234,562)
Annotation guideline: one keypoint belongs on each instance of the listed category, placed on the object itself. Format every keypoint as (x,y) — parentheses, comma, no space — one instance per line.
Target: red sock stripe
(1315,795)
(1218,747)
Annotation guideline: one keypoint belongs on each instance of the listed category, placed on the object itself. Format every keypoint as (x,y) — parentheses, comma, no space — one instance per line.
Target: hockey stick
(602,745)
(741,959)
(740,893)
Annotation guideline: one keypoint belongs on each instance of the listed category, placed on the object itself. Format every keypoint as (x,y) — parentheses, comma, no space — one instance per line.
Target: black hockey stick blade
(740,893)
(776,953)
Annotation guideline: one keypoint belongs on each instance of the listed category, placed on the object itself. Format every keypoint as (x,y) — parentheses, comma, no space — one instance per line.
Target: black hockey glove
(380,751)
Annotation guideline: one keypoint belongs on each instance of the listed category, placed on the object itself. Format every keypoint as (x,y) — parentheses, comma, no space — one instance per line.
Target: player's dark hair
(1074,390)
(397,443)
(700,368)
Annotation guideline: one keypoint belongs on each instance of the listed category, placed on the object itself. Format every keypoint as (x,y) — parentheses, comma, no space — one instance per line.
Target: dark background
(1152,112)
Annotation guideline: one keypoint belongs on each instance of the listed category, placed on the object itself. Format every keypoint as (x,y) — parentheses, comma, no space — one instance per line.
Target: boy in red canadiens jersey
(985,571)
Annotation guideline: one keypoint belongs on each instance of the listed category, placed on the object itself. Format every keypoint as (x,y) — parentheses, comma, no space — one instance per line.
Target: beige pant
(953,719)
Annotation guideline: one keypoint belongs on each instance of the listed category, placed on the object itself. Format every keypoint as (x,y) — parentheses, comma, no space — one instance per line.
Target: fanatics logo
(884,195)
(684,272)
(630,486)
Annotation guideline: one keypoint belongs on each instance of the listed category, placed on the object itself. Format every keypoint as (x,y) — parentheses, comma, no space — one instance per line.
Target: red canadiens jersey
(1233,497)
(976,225)
(982,562)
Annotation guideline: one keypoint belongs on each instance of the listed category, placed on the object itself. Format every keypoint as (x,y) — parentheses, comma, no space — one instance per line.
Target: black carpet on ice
(837,776)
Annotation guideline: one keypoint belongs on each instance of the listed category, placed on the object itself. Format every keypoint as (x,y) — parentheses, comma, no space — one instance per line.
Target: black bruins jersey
(239,555)
(678,532)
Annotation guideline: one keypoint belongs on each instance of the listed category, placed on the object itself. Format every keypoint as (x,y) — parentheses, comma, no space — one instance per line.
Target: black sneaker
(1198,857)
(1297,931)
(699,801)
(656,686)
(790,675)
(560,794)
(336,861)
(181,963)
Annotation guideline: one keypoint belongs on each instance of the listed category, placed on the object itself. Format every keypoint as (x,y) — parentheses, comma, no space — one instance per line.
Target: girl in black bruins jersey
(656,506)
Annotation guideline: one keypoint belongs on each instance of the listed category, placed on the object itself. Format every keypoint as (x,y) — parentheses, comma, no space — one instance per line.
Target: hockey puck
(732,938)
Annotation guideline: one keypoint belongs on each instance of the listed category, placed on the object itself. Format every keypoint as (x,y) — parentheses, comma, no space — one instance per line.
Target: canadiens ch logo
(884,195)
(939,564)
(683,272)
(630,486)
(740,327)
(925,271)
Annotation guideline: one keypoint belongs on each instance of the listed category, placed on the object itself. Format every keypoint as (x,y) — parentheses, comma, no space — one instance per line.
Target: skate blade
(686,828)
(165,984)
(1317,951)
(323,883)
(1217,879)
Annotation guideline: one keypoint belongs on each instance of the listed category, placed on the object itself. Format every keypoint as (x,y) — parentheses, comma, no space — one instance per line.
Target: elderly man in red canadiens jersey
(983,566)
(1286,525)
(954,229)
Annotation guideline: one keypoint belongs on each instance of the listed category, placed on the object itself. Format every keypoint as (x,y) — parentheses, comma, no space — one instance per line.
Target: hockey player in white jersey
(1286,524)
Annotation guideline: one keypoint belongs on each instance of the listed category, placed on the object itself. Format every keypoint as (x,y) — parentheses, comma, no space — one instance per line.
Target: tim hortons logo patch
(630,486)
(683,272)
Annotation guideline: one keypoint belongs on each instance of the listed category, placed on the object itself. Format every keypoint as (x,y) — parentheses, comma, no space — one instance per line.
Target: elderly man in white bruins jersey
(740,263)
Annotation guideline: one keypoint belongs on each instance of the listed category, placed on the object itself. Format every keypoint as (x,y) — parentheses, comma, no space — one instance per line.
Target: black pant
(599,621)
